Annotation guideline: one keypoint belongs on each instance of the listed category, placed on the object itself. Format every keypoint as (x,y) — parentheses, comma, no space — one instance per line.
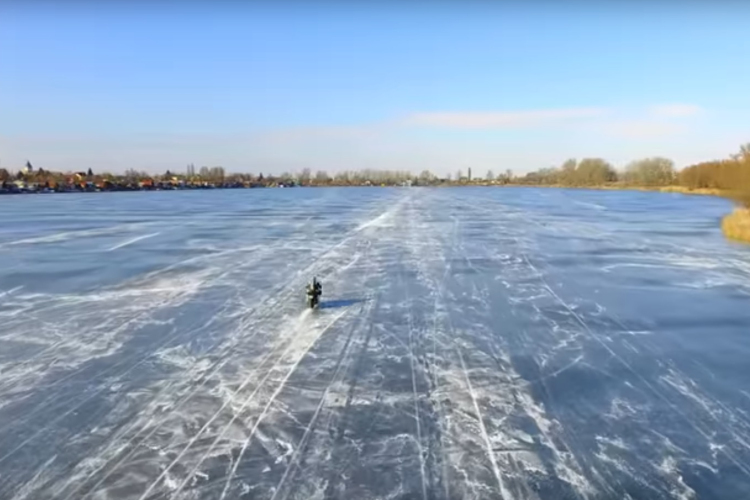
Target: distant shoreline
(658,189)
(661,189)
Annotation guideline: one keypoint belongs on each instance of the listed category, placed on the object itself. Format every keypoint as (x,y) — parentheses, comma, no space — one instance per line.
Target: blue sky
(445,87)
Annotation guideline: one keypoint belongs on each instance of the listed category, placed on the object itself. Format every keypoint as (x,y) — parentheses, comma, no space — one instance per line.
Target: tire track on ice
(417,417)
(439,304)
(521,486)
(580,480)
(66,235)
(343,423)
(67,413)
(504,494)
(318,264)
(131,241)
(217,367)
(479,418)
(566,467)
(433,461)
(227,401)
(351,449)
(740,465)
(96,394)
(222,360)
(343,417)
(588,331)
(236,415)
(282,294)
(123,327)
(262,252)
(130,320)
(435,387)
(302,445)
(99,375)
(271,400)
(697,395)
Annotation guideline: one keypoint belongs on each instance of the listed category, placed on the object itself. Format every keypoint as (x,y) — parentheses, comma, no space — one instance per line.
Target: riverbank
(672,189)
(685,190)
(736,226)
(625,187)
(92,188)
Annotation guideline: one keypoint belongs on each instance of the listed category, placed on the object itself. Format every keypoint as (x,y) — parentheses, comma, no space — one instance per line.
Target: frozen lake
(472,343)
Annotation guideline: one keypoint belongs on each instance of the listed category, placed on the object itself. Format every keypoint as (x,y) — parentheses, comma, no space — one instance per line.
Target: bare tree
(568,171)
(743,154)
(655,171)
(132,174)
(426,177)
(216,174)
(304,176)
(594,171)
(321,177)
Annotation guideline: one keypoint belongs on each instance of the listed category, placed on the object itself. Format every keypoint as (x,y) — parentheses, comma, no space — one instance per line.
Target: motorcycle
(314,291)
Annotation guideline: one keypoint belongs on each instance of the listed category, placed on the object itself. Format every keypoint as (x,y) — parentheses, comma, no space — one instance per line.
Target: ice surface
(471,344)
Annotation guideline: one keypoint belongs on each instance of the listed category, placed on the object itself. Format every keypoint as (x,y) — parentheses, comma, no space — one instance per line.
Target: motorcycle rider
(314,291)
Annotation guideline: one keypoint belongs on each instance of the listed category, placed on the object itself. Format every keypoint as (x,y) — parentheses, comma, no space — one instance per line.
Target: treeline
(587,172)
(731,175)
(350,178)
(654,171)
(31,179)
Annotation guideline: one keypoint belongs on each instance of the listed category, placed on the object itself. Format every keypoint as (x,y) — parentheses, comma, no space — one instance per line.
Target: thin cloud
(383,143)
(675,110)
(501,119)
(321,132)
(641,129)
